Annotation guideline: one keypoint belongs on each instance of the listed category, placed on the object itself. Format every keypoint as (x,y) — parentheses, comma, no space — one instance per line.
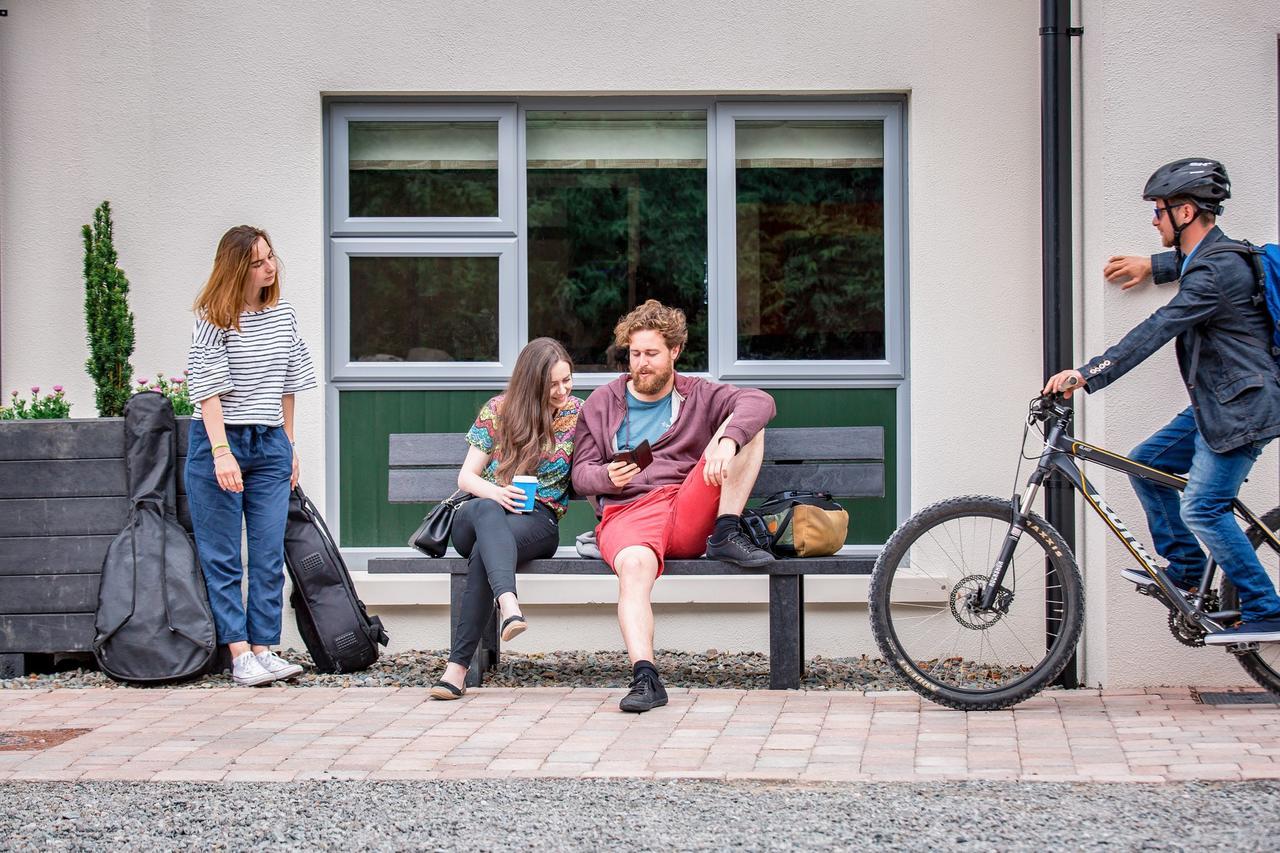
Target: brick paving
(230,734)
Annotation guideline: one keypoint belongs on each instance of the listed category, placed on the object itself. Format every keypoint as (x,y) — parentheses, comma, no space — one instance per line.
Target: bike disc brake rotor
(965,596)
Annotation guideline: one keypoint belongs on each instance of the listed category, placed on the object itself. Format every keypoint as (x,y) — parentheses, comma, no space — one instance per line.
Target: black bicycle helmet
(1199,179)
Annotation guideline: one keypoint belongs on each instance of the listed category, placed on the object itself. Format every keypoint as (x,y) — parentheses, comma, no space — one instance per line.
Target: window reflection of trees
(601,241)
(810,263)
(424,309)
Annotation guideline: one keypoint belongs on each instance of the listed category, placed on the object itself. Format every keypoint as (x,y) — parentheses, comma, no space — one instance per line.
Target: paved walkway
(279,734)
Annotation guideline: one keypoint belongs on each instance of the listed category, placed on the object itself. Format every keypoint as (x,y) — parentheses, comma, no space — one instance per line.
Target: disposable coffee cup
(529,485)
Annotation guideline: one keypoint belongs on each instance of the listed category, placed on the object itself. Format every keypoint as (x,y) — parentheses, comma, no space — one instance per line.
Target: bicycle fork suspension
(1017,525)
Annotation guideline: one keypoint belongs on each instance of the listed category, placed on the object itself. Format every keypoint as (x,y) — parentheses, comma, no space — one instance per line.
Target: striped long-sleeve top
(252,368)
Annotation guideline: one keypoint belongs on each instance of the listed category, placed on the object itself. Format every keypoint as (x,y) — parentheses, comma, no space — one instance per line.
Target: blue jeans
(266,465)
(1204,511)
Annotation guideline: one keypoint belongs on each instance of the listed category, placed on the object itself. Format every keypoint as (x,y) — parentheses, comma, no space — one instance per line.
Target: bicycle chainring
(965,596)
(1185,632)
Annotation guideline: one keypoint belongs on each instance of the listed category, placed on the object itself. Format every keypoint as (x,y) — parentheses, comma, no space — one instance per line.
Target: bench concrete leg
(12,666)
(489,650)
(786,631)
(486,656)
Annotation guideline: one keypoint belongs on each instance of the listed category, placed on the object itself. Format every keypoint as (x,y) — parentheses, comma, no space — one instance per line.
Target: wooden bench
(63,498)
(845,461)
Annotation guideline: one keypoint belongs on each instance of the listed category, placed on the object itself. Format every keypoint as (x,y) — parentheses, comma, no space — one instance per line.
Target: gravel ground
(746,670)
(635,815)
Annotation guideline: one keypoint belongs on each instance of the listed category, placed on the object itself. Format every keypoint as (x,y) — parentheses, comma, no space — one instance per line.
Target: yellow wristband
(219,445)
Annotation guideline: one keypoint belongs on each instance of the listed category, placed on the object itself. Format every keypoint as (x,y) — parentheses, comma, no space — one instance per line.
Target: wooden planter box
(63,498)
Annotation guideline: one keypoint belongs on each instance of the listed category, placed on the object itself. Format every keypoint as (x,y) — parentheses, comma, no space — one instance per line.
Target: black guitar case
(153,622)
(340,635)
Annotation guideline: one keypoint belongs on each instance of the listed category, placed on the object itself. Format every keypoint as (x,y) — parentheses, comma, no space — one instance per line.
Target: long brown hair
(525,422)
(222,296)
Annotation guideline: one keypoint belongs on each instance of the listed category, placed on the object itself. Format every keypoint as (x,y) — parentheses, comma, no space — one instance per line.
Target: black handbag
(432,535)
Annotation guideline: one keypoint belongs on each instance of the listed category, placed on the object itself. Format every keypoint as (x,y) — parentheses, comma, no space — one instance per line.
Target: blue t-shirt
(644,421)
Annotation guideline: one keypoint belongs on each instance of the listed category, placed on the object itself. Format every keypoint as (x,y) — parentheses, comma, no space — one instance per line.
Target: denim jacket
(1233,380)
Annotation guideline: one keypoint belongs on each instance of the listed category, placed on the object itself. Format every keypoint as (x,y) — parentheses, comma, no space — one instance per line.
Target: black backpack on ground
(153,622)
(340,635)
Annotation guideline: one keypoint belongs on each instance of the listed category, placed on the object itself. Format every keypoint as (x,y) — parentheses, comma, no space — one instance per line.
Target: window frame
(342,223)
(342,249)
(893,366)
(506,237)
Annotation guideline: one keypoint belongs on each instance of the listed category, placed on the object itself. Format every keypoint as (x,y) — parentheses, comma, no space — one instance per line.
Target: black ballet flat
(513,627)
(444,690)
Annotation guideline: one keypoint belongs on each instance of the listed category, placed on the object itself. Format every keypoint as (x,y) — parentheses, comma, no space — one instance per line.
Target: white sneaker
(280,669)
(248,671)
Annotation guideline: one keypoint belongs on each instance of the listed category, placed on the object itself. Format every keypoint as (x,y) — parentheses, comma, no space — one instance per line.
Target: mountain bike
(978,602)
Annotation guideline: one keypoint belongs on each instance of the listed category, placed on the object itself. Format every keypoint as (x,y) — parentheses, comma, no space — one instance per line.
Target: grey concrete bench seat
(845,461)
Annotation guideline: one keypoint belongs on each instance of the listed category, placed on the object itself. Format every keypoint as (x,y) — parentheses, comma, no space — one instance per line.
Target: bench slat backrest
(845,461)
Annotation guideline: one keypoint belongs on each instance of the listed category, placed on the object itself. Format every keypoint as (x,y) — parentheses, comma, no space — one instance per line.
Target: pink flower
(142,380)
(154,388)
(57,389)
(176,380)
(35,389)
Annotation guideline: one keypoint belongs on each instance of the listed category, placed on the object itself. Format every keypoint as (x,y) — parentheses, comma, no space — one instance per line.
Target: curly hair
(669,322)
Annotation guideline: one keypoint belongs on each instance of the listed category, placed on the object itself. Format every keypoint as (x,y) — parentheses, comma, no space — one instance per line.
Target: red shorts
(672,521)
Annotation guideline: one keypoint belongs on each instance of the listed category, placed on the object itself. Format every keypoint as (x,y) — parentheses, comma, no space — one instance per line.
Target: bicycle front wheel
(927,620)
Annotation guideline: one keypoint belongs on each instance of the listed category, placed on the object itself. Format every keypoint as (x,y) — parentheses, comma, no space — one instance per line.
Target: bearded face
(650,380)
(652,362)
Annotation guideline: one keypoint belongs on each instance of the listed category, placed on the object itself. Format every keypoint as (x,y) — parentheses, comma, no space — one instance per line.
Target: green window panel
(367,418)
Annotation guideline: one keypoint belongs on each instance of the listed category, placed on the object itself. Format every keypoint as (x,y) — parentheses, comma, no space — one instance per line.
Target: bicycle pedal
(1243,648)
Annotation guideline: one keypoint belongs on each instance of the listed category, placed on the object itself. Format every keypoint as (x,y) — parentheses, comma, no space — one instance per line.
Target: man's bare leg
(743,471)
(637,569)
(728,541)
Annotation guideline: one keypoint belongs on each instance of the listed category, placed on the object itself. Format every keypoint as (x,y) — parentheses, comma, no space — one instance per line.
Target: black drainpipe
(1055,226)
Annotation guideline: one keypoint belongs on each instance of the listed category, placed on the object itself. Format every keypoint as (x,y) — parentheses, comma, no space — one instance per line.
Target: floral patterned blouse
(553,469)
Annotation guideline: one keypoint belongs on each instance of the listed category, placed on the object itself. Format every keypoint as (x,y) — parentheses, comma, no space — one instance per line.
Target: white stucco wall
(1139,112)
(194,118)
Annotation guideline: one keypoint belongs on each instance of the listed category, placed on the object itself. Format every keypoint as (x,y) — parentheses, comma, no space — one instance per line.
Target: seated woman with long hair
(525,431)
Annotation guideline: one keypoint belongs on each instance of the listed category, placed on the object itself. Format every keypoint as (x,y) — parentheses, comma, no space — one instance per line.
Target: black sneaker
(737,548)
(646,693)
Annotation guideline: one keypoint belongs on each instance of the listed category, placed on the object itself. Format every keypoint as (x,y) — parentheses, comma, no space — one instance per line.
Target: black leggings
(494,541)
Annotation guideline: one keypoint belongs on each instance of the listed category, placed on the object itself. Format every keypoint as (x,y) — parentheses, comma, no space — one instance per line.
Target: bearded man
(707,443)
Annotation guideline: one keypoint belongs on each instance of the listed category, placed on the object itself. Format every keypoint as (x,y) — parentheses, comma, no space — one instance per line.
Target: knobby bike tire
(886,572)
(1263,666)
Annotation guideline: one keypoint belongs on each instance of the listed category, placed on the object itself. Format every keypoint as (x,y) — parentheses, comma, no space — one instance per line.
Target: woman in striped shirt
(526,433)
(245,364)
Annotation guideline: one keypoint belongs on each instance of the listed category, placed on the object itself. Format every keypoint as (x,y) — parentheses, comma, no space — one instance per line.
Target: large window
(458,231)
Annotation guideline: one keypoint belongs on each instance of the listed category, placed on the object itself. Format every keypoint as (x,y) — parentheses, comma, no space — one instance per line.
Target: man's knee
(1198,512)
(636,566)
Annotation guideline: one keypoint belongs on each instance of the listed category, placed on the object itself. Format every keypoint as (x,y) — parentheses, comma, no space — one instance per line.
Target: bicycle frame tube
(1059,450)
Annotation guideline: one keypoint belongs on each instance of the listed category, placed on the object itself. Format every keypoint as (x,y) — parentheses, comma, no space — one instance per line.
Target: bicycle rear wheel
(923,593)
(1263,665)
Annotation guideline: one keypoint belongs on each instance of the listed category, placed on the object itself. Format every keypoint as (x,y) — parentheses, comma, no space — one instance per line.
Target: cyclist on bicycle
(1233,382)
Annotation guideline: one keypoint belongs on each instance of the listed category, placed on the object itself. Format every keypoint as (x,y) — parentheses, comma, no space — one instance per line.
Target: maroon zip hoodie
(703,406)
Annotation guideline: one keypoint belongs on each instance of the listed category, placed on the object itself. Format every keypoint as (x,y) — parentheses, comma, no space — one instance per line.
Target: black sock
(641,665)
(725,525)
